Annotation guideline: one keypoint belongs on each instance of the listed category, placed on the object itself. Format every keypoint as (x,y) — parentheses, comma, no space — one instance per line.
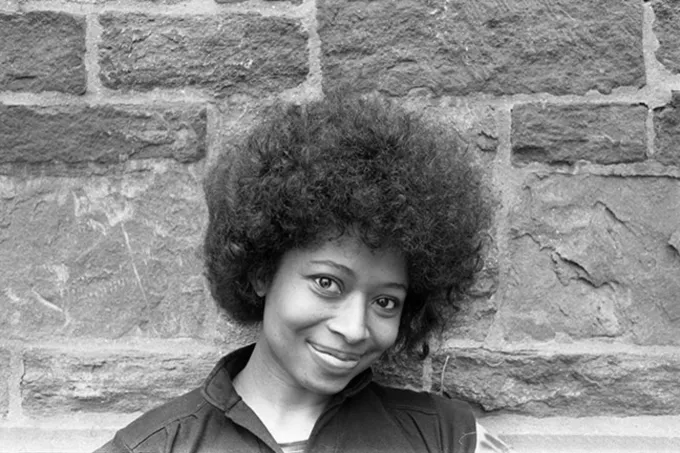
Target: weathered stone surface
(100,134)
(104,2)
(561,384)
(590,257)
(60,383)
(106,257)
(17,439)
(240,53)
(667,14)
(476,132)
(5,373)
(667,129)
(559,134)
(295,2)
(402,374)
(42,51)
(460,47)
(477,126)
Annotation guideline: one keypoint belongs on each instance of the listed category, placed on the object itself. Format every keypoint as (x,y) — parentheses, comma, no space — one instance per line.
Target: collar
(218,388)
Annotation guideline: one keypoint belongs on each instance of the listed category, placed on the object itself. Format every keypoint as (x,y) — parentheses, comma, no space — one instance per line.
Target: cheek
(293,308)
(385,332)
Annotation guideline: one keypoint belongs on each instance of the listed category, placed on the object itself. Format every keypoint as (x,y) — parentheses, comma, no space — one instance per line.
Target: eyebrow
(347,270)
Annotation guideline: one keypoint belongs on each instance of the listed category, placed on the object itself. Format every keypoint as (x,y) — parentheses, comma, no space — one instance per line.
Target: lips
(337,353)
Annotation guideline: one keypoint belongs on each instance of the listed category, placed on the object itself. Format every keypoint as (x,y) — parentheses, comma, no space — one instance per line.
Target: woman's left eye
(386,303)
(327,284)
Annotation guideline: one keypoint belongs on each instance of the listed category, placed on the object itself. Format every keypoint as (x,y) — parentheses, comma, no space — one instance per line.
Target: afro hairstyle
(347,164)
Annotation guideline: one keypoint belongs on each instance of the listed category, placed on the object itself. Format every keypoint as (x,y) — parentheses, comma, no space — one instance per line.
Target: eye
(327,284)
(387,303)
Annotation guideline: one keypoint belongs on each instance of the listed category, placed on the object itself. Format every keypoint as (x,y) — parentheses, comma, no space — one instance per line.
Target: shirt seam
(166,423)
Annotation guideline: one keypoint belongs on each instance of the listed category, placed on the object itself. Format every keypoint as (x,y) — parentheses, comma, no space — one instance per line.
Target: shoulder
(452,419)
(151,430)
(426,402)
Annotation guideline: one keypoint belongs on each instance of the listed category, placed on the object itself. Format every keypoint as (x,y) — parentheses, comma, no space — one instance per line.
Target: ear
(258,282)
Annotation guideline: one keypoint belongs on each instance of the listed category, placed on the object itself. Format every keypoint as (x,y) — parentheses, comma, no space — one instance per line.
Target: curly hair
(346,163)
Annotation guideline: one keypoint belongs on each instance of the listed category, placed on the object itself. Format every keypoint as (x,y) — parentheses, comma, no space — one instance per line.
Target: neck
(288,411)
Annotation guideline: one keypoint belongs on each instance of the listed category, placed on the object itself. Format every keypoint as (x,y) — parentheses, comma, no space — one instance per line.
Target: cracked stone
(43,51)
(5,372)
(667,132)
(78,135)
(461,47)
(667,16)
(558,134)
(105,257)
(224,54)
(549,384)
(125,381)
(590,259)
(674,241)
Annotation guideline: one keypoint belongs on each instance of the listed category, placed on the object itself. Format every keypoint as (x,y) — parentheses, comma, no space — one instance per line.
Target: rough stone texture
(397,374)
(100,134)
(5,372)
(477,127)
(42,51)
(106,257)
(667,17)
(558,134)
(240,53)
(460,47)
(667,129)
(478,136)
(593,256)
(55,384)
(294,2)
(108,2)
(561,384)
(46,440)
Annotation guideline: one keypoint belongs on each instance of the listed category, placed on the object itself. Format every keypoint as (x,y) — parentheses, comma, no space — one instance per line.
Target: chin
(328,386)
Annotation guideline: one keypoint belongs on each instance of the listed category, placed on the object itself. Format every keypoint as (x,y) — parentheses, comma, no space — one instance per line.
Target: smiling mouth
(334,357)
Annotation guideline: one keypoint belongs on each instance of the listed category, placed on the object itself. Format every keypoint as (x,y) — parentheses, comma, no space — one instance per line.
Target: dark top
(364,417)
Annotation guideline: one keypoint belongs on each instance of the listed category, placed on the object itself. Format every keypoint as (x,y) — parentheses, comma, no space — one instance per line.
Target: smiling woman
(345,226)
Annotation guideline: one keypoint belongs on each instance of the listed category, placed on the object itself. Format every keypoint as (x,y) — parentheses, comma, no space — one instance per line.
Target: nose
(349,320)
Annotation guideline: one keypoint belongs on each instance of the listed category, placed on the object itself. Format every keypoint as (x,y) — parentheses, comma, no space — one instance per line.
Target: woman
(345,226)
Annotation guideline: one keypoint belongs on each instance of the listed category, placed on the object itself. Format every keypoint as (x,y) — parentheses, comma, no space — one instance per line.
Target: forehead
(351,253)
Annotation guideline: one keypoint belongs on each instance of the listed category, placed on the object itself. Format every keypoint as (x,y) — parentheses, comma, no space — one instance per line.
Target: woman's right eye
(327,285)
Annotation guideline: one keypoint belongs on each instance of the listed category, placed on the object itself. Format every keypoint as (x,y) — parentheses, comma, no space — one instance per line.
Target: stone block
(294,2)
(5,373)
(42,51)
(564,134)
(52,440)
(593,257)
(109,256)
(100,134)
(476,132)
(61,383)
(543,384)
(667,129)
(239,53)
(461,47)
(476,126)
(667,17)
(399,373)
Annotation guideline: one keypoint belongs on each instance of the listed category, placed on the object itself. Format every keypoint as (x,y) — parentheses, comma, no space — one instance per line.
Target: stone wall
(110,111)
